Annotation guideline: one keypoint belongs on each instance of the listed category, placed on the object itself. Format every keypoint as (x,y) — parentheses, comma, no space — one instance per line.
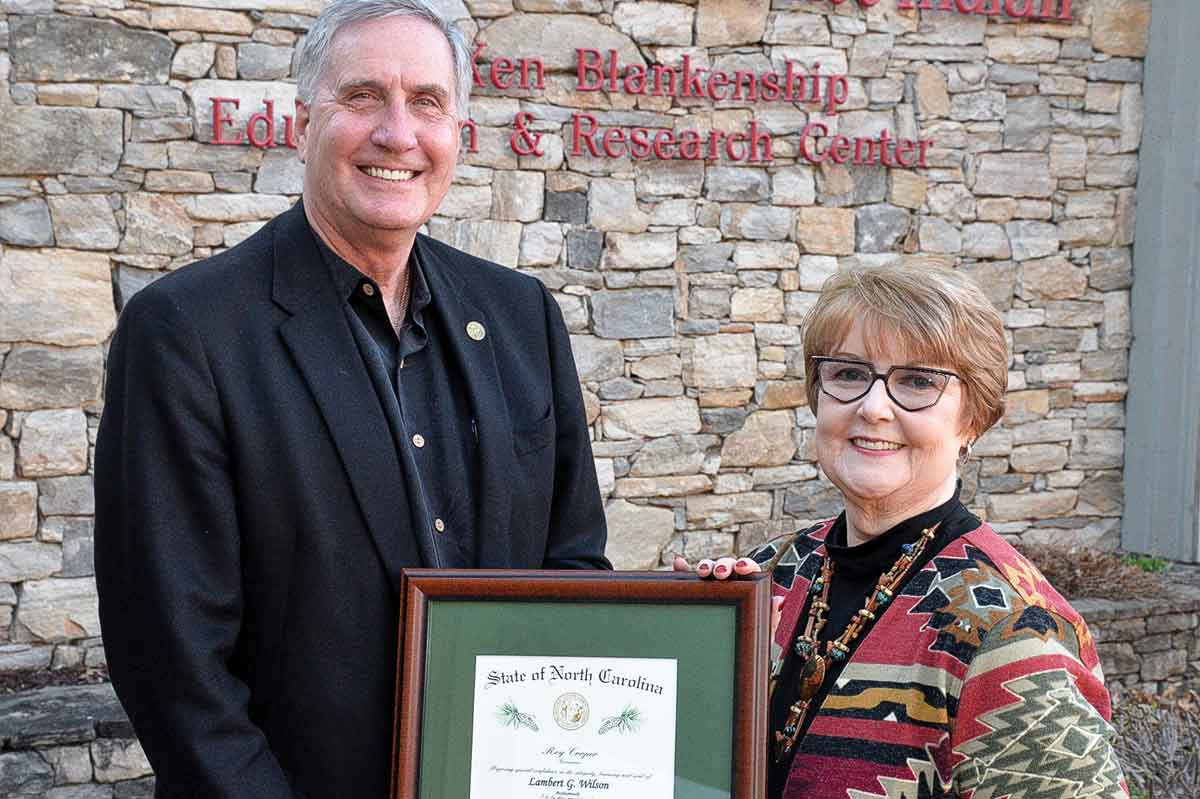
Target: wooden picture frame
(716,631)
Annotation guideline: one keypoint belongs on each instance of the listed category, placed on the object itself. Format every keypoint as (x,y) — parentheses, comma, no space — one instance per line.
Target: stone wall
(1148,645)
(683,282)
(70,743)
(77,743)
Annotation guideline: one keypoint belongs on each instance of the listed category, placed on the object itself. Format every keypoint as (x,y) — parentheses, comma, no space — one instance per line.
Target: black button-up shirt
(434,432)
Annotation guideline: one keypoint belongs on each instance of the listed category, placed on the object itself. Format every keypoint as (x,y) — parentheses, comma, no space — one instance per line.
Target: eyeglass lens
(911,389)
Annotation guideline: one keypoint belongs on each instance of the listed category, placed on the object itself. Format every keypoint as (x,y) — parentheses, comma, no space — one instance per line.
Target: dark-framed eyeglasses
(913,388)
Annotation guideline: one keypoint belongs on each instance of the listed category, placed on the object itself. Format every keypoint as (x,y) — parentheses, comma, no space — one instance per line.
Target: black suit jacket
(249,524)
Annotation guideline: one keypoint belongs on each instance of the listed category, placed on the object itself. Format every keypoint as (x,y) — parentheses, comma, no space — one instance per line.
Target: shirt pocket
(534,437)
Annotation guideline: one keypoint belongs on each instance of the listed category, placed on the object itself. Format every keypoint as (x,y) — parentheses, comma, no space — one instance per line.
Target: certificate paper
(573,728)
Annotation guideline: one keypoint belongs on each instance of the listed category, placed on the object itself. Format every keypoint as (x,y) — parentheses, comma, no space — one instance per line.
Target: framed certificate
(580,685)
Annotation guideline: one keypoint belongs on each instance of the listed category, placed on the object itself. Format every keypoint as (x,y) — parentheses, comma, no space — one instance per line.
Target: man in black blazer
(290,423)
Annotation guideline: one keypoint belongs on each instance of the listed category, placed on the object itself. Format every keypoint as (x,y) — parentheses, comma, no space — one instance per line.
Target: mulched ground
(12,682)
(1080,573)
(1158,743)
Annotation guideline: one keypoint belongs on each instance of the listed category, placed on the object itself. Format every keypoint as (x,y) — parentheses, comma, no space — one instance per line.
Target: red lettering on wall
(502,68)
(861,3)
(716,80)
(635,80)
(812,129)
(979,6)
(661,73)
(639,141)
(691,147)
(613,85)
(598,70)
(714,140)
(579,135)
(220,119)
(837,93)
(771,90)
(268,119)
(664,145)
(477,75)
(862,150)
(760,138)
(538,68)
(751,86)
(1017,9)
(587,70)
(691,79)
(289,131)
(730,153)
(614,141)
(531,71)
(472,136)
(794,84)
(925,5)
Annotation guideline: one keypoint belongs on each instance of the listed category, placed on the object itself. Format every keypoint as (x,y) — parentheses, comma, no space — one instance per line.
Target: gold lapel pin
(476,331)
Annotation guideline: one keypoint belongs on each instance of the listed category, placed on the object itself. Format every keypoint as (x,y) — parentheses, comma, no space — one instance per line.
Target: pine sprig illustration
(510,716)
(628,720)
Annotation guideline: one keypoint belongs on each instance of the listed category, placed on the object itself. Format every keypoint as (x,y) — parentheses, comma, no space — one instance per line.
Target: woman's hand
(723,569)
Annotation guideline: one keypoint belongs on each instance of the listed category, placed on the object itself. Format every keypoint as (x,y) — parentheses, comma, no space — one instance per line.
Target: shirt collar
(348,279)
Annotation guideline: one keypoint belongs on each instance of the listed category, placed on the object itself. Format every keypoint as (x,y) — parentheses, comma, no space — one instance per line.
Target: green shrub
(1147,563)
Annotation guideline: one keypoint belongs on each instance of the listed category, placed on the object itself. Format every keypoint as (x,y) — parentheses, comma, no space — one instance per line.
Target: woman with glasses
(917,654)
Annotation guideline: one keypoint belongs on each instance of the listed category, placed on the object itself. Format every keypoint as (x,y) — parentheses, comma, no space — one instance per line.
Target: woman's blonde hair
(937,317)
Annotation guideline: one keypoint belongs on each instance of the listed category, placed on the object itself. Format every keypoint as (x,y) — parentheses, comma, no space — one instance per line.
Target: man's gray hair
(315,51)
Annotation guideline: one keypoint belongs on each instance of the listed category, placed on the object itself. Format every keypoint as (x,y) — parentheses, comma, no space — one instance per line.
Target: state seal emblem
(571,711)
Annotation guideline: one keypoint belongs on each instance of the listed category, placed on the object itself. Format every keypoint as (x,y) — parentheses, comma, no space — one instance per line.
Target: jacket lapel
(319,339)
(476,361)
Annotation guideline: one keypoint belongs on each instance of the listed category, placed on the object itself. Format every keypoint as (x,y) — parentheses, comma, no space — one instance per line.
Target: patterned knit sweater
(979,681)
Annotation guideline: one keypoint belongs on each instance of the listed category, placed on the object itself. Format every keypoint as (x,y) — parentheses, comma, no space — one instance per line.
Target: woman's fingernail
(744,562)
(722,571)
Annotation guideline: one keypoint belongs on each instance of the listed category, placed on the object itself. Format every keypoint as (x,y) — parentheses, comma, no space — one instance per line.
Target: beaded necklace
(812,673)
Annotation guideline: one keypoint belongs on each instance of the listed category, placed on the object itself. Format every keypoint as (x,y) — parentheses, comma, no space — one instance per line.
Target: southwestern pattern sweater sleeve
(980,681)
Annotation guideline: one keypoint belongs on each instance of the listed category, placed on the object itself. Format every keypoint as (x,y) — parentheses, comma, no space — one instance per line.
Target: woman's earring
(964,454)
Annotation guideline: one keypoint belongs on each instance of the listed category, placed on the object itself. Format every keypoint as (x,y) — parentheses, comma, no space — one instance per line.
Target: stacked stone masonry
(70,743)
(1147,645)
(77,743)
(683,282)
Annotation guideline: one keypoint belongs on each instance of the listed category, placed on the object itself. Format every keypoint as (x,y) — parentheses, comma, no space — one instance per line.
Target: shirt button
(439,525)
(368,289)
(418,440)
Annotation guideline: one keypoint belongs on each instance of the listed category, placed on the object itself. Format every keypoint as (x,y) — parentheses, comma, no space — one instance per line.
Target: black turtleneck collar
(878,554)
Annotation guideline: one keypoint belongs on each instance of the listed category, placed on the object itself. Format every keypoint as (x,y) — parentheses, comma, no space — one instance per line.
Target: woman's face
(881,456)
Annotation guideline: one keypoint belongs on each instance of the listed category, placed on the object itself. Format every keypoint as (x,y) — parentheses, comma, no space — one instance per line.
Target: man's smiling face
(381,135)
